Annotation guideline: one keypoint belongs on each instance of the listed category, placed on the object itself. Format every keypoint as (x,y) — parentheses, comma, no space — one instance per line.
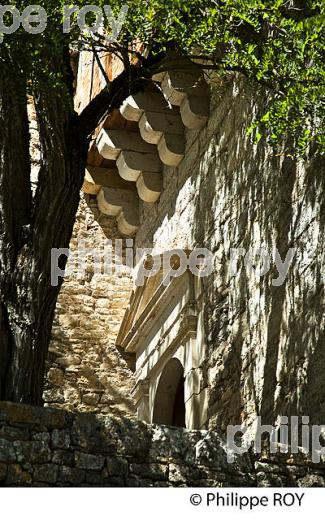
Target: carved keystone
(195,111)
(97,177)
(166,131)
(176,85)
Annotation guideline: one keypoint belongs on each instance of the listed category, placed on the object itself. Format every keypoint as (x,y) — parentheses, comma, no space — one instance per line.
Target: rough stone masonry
(52,447)
(263,344)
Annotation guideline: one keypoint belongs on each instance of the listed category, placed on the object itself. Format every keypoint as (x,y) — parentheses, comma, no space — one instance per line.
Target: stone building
(173,171)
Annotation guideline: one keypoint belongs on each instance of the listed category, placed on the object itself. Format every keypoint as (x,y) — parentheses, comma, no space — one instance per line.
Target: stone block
(43,437)
(96,478)
(7,451)
(135,482)
(16,413)
(3,471)
(46,473)
(13,434)
(53,418)
(60,439)
(90,399)
(32,451)
(16,476)
(55,376)
(117,467)
(74,476)
(150,471)
(312,481)
(182,473)
(68,361)
(63,457)
(88,461)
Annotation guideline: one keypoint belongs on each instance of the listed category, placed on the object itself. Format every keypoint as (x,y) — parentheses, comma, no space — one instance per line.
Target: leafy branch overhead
(278,44)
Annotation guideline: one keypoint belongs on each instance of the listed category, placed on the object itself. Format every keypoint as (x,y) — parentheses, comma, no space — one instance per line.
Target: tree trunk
(30,229)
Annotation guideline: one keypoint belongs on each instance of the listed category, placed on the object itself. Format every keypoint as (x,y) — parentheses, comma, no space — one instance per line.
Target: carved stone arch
(169,405)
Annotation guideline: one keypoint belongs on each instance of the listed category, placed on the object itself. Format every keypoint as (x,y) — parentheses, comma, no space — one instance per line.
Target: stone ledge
(51,418)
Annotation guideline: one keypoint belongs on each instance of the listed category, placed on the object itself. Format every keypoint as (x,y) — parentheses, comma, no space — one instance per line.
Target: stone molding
(165,328)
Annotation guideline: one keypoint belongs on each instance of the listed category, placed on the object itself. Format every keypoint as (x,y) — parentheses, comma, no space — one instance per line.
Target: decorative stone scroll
(97,177)
(159,124)
(189,91)
(122,204)
(136,160)
(136,156)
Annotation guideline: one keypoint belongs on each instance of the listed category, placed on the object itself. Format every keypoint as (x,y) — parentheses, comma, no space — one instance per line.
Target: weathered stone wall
(85,371)
(50,447)
(265,344)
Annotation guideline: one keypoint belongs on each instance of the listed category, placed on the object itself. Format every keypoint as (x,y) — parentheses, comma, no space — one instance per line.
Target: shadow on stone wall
(266,343)
(85,370)
(50,447)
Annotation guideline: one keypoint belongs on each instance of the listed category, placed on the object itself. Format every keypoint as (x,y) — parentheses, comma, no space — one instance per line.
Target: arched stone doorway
(164,330)
(169,407)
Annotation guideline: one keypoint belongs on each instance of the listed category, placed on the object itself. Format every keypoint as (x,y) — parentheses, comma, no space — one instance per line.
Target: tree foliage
(279,44)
